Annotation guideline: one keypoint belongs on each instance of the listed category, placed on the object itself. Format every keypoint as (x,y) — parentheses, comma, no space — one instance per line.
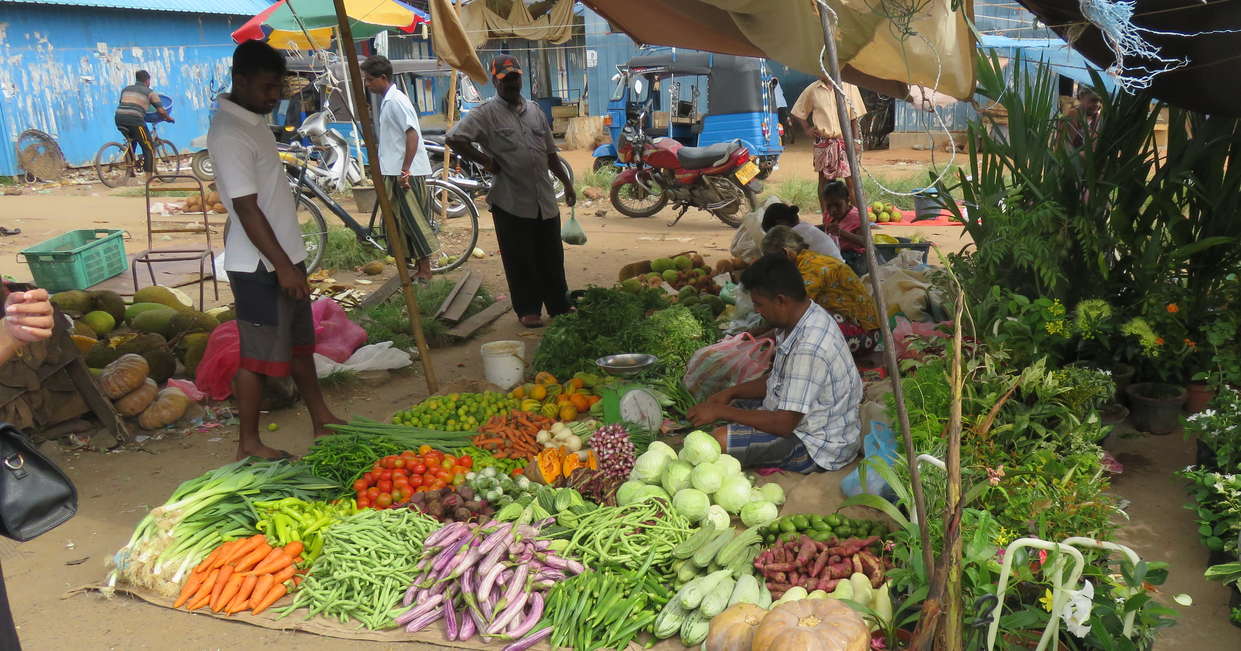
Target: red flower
(1191,343)
(1158,341)
(1173,309)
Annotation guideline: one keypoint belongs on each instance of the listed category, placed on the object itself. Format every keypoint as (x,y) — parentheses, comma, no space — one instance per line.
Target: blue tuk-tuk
(739,103)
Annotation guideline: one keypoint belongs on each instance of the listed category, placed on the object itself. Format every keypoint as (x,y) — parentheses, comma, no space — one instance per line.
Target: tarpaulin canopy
(934,49)
(553,26)
(282,25)
(1206,83)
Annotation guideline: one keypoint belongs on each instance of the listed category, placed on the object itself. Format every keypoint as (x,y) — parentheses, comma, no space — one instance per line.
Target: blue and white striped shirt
(814,375)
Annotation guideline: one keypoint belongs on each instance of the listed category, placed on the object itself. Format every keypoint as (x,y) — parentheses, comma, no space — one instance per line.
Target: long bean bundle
(347,454)
(603,610)
(627,536)
(368,561)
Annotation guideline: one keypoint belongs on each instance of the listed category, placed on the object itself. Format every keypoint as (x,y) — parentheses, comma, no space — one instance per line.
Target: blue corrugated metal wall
(63,70)
(610,50)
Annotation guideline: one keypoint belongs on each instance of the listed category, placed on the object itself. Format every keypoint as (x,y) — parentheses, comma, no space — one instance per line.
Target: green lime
(271,427)
(787,526)
(789,536)
(834,520)
(817,522)
(819,535)
(801,522)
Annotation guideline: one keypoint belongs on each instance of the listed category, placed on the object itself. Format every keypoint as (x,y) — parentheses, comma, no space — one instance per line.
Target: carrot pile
(243,574)
(512,435)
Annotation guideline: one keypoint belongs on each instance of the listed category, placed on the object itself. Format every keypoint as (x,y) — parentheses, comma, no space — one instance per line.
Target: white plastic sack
(372,357)
(748,242)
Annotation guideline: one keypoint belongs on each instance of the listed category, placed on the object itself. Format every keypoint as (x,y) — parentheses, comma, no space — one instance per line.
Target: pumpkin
(592,462)
(733,629)
(549,464)
(123,375)
(570,463)
(812,625)
(136,401)
(169,406)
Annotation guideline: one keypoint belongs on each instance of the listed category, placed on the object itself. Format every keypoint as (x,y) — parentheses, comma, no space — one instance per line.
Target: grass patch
(388,321)
(601,179)
(344,251)
(804,192)
(140,192)
(338,379)
(797,192)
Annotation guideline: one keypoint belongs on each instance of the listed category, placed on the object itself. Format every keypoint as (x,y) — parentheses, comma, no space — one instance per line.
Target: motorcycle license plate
(746,173)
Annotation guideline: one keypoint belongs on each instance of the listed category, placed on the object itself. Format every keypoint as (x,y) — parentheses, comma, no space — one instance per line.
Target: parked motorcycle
(719,179)
(471,177)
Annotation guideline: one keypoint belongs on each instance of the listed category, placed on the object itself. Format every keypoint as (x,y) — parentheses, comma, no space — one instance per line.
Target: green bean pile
(367,564)
(625,536)
(597,610)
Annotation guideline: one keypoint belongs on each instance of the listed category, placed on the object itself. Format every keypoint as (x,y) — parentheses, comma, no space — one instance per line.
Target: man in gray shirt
(518,149)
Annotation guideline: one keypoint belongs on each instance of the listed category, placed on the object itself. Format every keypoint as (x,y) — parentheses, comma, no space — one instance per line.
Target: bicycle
(117,162)
(457,237)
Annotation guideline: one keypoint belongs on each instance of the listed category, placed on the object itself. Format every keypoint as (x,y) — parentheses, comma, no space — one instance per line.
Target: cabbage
(758,514)
(648,467)
(693,504)
(772,493)
(733,494)
(756,495)
(706,478)
(650,490)
(628,492)
(728,465)
(699,447)
(662,448)
(675,476)
(717,516)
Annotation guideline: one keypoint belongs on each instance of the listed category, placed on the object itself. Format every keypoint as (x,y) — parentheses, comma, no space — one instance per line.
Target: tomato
(436,485)
(386,474)
(384,499)
(364,503)
(398,495)
(448,463)
(398,463)
(415,481)
(423,449)
(419,468)
(434,457)
(444,476)
(407,454)
(369,478)
(466,461)
(519,471)
(399,473)
(449,457)
(457,480)
(372,492)
(385,485)
(377,466)
(360,485)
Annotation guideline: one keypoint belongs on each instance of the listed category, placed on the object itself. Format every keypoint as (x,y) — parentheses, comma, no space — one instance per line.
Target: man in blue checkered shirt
(803,415)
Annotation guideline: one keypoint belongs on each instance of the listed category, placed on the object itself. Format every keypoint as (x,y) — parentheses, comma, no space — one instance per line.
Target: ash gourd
(485,580)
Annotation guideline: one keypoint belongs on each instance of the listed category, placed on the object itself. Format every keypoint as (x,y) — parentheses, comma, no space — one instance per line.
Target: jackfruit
(80,328)
(134,310)
(682,262)
(373,268)
(715,302)
(74,301)
(157,321)
(101,355)
(670,275)
(192,348)
(186,322)
(162,364)
(142,343)
(222,313)
(110,302)
(166,296)
(101,322)
(631,285)
(660,265)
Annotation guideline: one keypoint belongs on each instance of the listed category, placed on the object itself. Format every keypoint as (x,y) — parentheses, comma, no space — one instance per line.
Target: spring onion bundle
(203,512)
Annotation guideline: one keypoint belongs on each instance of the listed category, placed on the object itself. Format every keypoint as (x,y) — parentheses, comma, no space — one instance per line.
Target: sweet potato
(805,553)
(873,568)
(819,562)
(827,585)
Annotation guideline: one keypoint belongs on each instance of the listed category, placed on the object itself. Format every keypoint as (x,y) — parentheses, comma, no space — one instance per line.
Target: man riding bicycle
(136,100)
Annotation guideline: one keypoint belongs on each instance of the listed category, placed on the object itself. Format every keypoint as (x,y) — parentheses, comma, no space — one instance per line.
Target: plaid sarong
(413,211)
(830,158)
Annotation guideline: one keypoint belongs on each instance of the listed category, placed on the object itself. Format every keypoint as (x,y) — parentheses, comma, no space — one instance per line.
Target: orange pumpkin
(580,402)
(570,464)
(592,461)
(733,629)
(549,465)
(812,625)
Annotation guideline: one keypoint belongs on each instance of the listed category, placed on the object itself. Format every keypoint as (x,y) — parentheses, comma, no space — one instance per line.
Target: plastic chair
(153,256)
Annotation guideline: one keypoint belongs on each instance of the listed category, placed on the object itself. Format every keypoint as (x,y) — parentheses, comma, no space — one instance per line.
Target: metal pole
(889,346)
(394,235)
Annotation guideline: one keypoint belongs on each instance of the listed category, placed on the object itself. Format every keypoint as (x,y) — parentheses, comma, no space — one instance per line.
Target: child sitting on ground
(843,221)
(782,214)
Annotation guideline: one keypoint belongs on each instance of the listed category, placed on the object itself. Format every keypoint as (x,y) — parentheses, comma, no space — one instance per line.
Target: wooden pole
(393,231)
(450,116)
(954,615)
(889,345)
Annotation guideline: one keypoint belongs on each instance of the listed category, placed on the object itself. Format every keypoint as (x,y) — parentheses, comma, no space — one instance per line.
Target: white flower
(1077,609)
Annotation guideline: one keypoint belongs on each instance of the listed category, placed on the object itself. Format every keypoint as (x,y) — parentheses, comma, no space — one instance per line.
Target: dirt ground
(117,488)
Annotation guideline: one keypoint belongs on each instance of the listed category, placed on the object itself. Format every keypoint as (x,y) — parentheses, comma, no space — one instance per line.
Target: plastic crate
(78,259)
(886,252)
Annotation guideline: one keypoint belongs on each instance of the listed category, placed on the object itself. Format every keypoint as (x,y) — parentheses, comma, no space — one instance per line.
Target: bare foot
(263,452)
(324,431)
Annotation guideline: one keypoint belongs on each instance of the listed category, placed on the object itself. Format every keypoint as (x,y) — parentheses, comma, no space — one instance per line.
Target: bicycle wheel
(113,164)
(439,198)
(314,231)
(457,237)
(167,160)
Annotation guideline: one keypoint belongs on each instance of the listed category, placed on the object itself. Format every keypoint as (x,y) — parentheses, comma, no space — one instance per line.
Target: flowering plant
(1219,428)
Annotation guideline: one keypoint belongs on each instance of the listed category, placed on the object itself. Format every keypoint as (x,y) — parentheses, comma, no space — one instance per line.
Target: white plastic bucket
(504,362)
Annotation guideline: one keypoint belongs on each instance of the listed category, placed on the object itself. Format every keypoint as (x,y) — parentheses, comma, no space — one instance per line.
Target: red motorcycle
(719,178)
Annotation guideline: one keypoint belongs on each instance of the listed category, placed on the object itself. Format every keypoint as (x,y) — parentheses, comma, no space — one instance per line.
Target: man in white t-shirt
(403,162)
(263,247)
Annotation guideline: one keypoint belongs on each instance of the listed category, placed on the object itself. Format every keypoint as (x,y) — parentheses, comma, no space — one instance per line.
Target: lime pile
(820,528)
(456,412)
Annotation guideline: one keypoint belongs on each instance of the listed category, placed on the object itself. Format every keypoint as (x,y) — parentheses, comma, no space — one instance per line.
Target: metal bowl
(625,364)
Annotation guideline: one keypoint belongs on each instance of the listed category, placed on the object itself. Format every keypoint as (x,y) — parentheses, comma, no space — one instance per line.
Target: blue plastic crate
(78,259)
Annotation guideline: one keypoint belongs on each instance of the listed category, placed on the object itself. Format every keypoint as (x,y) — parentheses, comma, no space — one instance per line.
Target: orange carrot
(284,574)
(225,551)
(294,549)
(226,573)
(242,597)
(246,547)
(215,553)
(297,579)
(227,594)
(246,564)
(270,598)
(191,586)
(261,589)
(274,560)
(204,591)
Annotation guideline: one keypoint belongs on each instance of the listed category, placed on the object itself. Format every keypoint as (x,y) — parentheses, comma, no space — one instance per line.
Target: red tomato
(444,476)
(448,463)
(398,495)
(416,481)
(466,461)
(519,471)
(372,492)
(385,485)
(360,485)
(419,468)
(369,478)
(423,449)
(386,474)
(407,454)
(377,466)
(398,463)
(364,503)
(436,485)
(384,500)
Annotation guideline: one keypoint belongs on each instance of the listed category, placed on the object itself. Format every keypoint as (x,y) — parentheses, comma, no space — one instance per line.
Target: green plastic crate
(78,259)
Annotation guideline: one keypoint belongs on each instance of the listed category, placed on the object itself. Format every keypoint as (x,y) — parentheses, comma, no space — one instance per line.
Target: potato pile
(209,203)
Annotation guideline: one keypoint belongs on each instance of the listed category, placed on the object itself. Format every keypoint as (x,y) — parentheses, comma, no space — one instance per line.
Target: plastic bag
(374,357)
(336,337)
(748,242)
(729,362)
(880,443)
(188,388)
(571,232)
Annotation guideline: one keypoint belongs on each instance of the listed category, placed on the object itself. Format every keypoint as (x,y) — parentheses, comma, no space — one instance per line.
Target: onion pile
(614,449)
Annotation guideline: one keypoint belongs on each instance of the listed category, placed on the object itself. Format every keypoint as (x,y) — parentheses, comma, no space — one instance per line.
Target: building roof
(229,7)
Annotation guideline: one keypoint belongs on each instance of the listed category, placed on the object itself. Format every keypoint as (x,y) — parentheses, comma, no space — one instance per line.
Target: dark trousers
(8,630)
(782,114)
(533,260)
(139,138)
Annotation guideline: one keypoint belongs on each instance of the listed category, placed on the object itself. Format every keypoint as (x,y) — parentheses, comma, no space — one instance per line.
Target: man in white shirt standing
(263,247)
(403,162)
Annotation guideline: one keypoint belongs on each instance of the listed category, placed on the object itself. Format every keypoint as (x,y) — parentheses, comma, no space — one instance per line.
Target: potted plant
(1156,406)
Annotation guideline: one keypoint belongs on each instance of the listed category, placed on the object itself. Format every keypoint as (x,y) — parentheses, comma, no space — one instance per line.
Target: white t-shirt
(243,151)
(817,240)
(778,89)
(396,116)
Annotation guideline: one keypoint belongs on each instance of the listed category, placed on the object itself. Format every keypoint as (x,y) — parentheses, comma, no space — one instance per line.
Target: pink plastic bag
(731,361)
(906,329)
(336,337)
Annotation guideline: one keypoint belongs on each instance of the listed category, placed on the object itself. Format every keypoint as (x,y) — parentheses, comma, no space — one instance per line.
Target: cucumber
(704,555)
(687,547)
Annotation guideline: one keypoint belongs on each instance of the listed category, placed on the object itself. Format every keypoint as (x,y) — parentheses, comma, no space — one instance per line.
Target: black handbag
(35,495)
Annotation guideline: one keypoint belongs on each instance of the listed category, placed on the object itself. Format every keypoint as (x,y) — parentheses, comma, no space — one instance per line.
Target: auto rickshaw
(669,86)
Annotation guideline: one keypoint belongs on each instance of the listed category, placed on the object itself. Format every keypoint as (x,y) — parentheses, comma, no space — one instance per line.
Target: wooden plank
(382,293)
(462,300)
(456,289)
(472,324)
